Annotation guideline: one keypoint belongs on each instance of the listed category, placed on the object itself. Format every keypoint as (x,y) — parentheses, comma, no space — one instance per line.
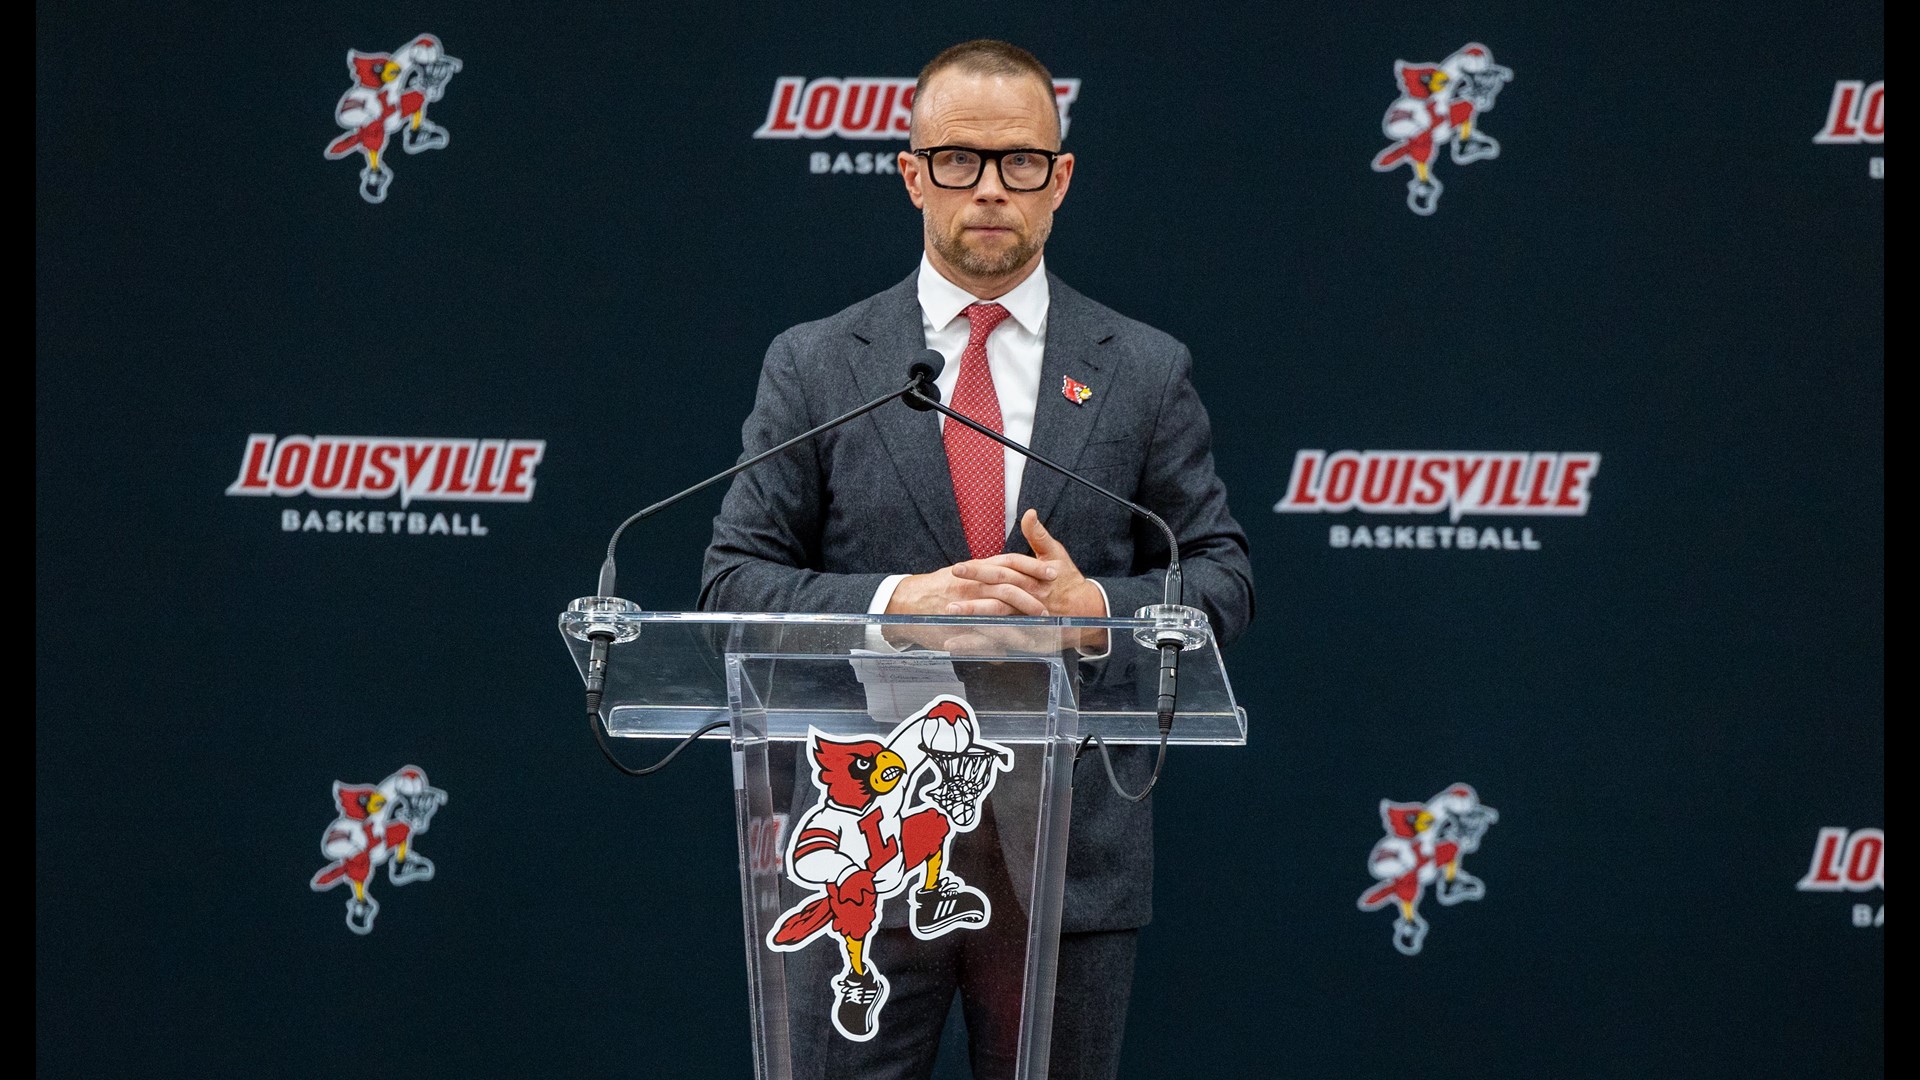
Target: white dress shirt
(1014,351)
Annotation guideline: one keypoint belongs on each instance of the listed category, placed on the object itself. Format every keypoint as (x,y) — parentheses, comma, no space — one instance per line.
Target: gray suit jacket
(818,528)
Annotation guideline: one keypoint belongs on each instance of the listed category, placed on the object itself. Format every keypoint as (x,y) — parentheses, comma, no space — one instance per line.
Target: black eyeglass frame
(986,157)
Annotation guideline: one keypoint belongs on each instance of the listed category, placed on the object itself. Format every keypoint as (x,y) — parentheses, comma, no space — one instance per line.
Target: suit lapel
(1075,334)
(890,336)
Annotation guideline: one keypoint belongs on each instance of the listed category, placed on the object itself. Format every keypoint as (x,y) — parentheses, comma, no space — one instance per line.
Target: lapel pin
(1075,391)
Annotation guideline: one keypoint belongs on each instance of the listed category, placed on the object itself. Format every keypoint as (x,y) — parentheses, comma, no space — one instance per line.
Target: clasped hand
(1044,583)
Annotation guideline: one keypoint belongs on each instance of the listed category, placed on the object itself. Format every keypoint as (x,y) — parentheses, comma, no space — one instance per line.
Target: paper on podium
(899,684)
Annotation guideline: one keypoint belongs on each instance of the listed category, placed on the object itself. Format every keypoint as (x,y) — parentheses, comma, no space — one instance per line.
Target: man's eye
(1019,161)
(961,157)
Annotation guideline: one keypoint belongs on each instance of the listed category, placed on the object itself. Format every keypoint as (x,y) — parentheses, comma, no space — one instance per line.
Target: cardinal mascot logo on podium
(887,812)
(1423,846)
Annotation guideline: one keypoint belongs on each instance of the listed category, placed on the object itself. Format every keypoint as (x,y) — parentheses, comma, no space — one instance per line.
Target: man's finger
(980,607)
(1022,601)
(988,574)
(1025,564)
(974,644)
(1042,541)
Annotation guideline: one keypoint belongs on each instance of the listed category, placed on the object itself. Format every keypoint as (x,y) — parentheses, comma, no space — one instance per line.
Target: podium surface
(670,678)
(903,788)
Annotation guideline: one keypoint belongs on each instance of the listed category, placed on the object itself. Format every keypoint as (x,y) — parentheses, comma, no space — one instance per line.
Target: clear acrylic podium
(811,701)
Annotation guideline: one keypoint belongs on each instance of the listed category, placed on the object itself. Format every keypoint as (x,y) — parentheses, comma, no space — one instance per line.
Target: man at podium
(902,512)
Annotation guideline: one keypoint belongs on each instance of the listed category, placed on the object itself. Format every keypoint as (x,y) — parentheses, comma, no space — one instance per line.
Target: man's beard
(952,247)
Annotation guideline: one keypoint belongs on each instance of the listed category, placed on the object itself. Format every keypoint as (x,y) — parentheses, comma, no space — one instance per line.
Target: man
(904,513)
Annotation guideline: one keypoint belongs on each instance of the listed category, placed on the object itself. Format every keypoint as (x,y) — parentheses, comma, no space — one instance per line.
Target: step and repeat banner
(1544,349)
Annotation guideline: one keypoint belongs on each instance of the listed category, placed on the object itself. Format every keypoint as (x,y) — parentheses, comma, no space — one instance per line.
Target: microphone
(1174,623)
(919,393)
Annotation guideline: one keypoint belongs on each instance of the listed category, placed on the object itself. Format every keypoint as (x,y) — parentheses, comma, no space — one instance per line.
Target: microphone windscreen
(920,375)
(928,365)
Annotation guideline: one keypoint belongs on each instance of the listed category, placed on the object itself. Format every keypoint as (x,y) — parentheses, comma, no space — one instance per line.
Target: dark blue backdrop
(1666,702)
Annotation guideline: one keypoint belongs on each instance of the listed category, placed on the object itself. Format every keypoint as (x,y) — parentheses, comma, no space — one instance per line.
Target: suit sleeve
(766,548)
(1179,483)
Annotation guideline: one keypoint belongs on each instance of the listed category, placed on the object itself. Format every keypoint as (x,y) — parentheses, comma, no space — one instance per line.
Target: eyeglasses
(961,167)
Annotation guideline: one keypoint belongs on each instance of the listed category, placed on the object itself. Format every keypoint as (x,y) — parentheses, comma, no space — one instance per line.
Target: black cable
(1107,760)
(600,738)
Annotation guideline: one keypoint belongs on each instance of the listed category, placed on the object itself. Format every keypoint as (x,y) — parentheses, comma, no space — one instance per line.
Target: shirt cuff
(1108,613)
(883,595)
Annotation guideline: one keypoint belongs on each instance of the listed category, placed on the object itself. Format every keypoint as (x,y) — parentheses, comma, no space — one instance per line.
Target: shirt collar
(941,301)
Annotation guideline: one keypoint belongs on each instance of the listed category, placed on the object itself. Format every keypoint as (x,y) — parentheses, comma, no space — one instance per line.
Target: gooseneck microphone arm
(1169,647)
(919,389)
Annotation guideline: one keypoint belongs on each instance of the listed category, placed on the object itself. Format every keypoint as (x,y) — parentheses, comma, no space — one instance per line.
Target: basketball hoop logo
(967,764)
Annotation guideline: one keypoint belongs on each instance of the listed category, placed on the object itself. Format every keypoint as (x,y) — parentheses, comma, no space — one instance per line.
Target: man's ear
(1062,177)
(911,176)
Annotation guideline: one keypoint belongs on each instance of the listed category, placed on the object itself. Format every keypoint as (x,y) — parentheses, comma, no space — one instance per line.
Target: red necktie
(978,464)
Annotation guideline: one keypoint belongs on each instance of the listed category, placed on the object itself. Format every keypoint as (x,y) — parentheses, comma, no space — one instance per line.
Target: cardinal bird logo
(377,823)
(390,93)
(886,816)
(1440,104)
(1075,391)
(1424,845)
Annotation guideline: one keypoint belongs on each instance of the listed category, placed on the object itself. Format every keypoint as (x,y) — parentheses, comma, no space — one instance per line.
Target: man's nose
(990,188)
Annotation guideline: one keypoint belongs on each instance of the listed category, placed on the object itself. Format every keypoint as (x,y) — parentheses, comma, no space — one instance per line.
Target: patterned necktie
(978,464)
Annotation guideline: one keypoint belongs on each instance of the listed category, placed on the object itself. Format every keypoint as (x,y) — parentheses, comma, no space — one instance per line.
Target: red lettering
(1509,497)
(417,461)
(1464,470)
(379,464)
(784,110)
(823,101)
(1852,98)
(483,476)
(851,122)
(1824,874)
(1865,850)
(1372,495)
(884,115)
(353,466)
(903,112)
(290,464)
(439,481)
(253,467)
(329,466)
(1574,473)
(1542,471)
(1306,465)
(1342,473)
(1433,489)
(519,472)
(1406,480)
(1840,126)
(880,851)
(1873,120)
(457,476)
